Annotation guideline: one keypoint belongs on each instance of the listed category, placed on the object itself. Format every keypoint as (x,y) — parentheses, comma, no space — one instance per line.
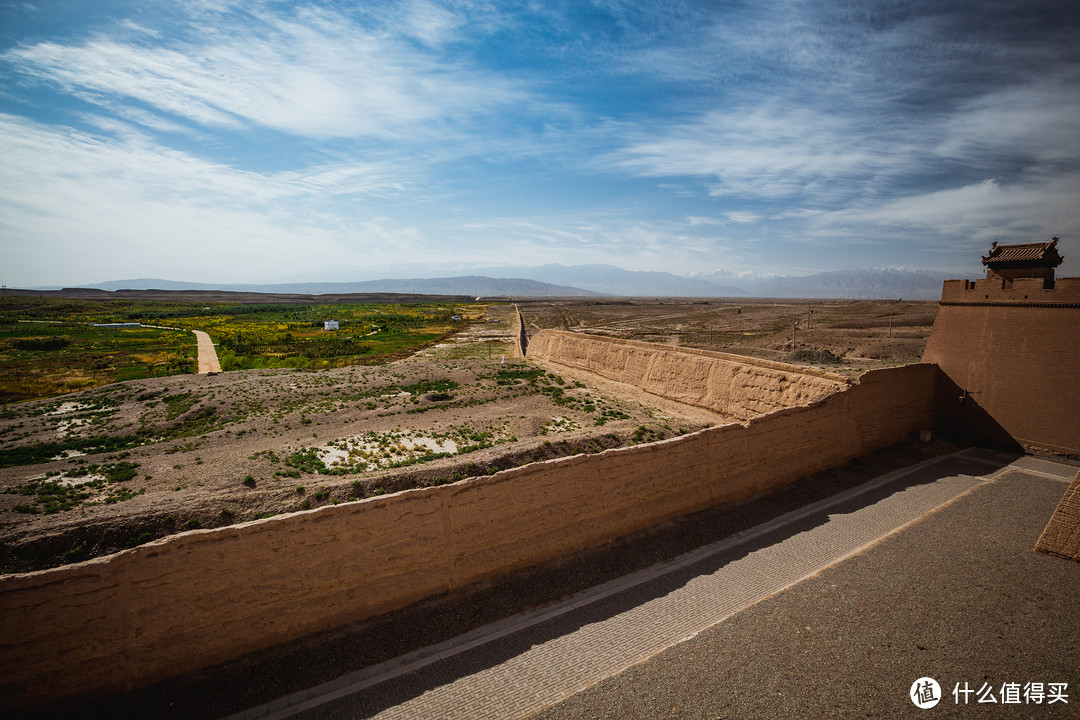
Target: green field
(49,346)
(39,359)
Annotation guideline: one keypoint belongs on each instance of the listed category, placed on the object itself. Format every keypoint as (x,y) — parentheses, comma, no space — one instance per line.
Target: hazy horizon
(264,142)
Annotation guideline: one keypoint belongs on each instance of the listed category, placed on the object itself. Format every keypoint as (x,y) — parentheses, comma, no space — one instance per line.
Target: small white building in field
(330,325)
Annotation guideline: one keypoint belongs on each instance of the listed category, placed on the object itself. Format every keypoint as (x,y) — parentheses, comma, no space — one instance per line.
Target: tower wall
(1009,356)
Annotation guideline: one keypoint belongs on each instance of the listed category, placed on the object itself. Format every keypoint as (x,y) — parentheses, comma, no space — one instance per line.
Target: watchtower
(1025,260)
(1008,348)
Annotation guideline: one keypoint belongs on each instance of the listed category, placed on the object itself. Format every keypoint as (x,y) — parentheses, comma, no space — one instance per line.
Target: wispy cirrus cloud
(766,151)
(120,203)
(315,73)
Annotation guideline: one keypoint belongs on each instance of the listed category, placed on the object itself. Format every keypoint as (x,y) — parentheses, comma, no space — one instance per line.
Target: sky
(264,142)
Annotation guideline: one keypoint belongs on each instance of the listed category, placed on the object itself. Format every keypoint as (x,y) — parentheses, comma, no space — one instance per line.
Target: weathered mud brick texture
(1062,534)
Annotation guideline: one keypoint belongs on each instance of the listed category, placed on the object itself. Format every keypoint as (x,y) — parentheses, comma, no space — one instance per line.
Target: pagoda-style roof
(1039,254)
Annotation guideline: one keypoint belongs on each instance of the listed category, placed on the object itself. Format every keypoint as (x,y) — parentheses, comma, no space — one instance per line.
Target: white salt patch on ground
(382,450)
(562,424)
(76,481)
(70,407)
(67,455)
(64,427)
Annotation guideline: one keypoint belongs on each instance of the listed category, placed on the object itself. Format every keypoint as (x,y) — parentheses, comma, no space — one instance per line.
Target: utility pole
(809,312)
(794,327)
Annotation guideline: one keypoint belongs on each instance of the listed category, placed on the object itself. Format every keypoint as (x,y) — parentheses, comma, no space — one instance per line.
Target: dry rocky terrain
(94,472)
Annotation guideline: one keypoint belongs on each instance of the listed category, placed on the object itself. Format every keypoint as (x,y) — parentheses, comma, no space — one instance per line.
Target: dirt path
(208,359)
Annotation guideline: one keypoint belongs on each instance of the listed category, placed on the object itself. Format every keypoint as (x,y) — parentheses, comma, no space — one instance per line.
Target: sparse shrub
(76,554)
(307,460)
(249,481)
(140,539)
(820,357)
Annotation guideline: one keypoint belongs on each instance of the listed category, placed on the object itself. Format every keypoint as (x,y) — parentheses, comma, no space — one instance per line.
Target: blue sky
(263,141)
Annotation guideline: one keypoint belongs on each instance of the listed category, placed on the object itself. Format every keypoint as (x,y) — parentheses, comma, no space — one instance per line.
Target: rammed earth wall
(735,386)
(1009,353)
(203,597)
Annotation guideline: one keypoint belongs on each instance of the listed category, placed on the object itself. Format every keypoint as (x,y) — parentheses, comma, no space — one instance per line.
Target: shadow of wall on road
(399,690)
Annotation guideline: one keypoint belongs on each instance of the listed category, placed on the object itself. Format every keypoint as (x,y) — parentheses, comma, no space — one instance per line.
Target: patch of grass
(643,434)
(268,454)
(52,497)
(609,414)
(140,539)
(306,460)
(513,374)
(177,405)
(430,386)
(44,452)
(122,494)
(186,447)
(818,357)
(119,472)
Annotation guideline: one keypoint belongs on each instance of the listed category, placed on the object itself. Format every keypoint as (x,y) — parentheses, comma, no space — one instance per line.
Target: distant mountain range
(860,283)
(473,285)
(612,280)
(598,280)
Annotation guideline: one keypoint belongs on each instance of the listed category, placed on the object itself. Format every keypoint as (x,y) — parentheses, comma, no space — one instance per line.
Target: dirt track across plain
(208,359)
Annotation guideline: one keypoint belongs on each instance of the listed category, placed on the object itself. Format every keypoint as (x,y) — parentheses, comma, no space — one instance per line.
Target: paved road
(580,650)
(208,359)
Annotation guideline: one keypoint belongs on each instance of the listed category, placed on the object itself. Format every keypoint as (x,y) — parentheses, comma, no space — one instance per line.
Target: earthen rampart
(1009,354)
(734,386)
(203,597)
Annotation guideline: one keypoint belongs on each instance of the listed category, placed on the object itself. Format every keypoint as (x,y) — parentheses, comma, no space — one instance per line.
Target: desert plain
(197,451)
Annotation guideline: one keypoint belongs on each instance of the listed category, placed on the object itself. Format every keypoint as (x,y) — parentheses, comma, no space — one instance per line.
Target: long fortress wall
(203,597)
(731,385)
(1009,353)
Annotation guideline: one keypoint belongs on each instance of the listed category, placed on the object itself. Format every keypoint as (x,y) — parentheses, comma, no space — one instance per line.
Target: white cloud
(605,238)
(743,218)
(316,74)
(1039,120)
(761,152)
(77,205)
(969,217)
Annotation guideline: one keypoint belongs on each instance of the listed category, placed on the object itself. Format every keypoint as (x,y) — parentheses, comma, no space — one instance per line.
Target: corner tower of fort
(1008,349)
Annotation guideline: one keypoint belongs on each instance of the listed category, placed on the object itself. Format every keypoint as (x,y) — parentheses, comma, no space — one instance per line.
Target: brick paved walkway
(519,666)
